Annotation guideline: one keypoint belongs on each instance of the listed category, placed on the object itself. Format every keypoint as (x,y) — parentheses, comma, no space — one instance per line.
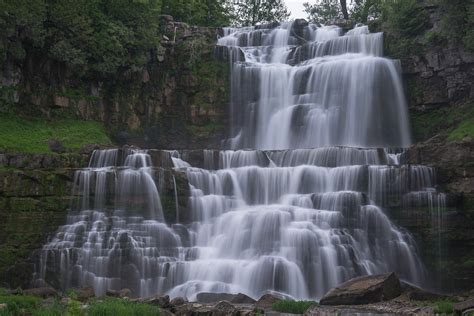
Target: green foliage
(293,307)
(18,303)
(252,12)
(366,10)
(458,21)
(198,12)
(74,309)
(114,307)
(323,11)
(443,307)
(24,135)
(435,38)
(405,17)
(56,309)
(95,38)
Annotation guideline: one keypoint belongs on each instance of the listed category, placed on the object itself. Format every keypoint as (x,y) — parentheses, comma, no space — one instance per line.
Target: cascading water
(303,212)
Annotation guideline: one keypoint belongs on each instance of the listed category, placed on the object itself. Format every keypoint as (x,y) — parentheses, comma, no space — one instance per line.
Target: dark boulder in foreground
(364,290)
(240,298)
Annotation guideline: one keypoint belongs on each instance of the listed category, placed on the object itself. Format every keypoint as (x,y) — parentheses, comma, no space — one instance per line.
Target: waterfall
(308,207)
(115,234)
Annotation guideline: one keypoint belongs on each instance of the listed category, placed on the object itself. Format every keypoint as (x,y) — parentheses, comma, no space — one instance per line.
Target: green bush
(293,307)
(115,307)
(435,38)
(16,304)
(405,17)
(443,307)
(54,310)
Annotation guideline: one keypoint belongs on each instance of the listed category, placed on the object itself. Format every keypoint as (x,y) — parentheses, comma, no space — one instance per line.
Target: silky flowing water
(297,203)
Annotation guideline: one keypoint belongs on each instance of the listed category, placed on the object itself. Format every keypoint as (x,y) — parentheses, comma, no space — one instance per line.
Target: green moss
(114,307)
(32,135)
(293,307)
(464,129)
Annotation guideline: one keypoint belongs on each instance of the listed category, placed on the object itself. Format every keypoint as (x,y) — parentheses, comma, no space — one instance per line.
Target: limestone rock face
(364,290)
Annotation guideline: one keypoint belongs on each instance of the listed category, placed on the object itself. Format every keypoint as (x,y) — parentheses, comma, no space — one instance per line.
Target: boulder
(43,292)
(177,301)
(85,294)
(463,306)
(161,300)
(414,293)
(267,301)
(364,290)
(239,298)
(121,293)
(224,308)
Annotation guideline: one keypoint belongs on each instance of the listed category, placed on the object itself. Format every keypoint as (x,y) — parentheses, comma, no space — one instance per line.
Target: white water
(299,217)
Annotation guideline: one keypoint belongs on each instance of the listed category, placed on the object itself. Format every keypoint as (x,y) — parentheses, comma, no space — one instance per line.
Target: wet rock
(43,292)
(85,294)
(162,301)
(414,293)
(177,301)
(364,290)
(239,298)
(224,308)
(267,300)
(121,293)
(464,306)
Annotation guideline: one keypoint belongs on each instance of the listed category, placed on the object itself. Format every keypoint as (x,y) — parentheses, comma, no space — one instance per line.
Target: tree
(198,12)
(324,11)
(252,12)
(344,9)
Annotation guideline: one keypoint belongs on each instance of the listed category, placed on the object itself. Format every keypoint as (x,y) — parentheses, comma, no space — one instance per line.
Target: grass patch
(443,307)
(293,307)
(455,123)
(114,307)
(32,135)
(464,129)
(18,304)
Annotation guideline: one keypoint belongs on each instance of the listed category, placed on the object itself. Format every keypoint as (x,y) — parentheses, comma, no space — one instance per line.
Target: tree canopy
(252,12)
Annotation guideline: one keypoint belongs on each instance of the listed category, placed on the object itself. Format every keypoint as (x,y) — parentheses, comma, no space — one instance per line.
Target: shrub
(405,17)
(293,307)
(443,307)
(115,307)
(435,38)
(18,303)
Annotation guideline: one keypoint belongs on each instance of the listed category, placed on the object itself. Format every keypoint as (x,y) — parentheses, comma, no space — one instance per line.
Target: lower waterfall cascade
(299,203)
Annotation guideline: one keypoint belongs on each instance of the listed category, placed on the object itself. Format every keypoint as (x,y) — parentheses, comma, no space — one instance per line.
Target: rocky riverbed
(370,295)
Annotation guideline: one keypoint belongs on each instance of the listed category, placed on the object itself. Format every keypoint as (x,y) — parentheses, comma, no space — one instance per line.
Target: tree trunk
(344,9)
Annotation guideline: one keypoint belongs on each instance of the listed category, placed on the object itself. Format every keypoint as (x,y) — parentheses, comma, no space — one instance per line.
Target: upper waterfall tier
(340,93)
